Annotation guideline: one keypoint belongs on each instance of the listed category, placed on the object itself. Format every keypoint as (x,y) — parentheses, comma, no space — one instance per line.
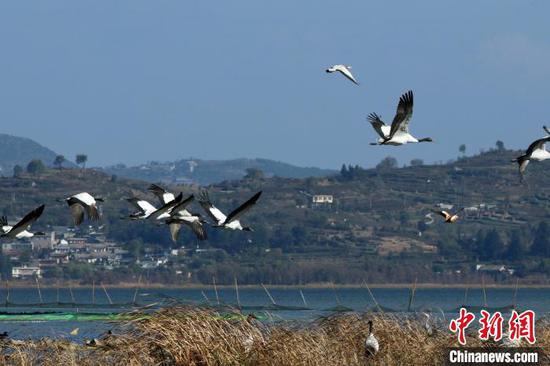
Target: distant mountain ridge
(15,150)
(212,171)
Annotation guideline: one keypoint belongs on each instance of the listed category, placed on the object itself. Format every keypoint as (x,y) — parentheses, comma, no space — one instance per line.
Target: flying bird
(536,151)
(192,221)
(83,202)
(230,221)
(146,210)
(162,194)
(398,132)
(181,216)
(21,229)
(449,218)
(371,343)
(344,70)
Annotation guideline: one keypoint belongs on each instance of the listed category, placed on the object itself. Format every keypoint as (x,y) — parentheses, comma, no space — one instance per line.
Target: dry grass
(189,336)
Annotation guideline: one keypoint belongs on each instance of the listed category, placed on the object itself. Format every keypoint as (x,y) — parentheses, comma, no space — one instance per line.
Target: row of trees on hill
(36,166)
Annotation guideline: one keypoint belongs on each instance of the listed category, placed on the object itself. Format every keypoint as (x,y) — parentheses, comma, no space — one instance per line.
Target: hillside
(376,228)
(19,151)
(206,172)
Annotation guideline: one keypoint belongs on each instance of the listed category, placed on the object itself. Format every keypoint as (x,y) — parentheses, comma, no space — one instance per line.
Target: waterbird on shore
(371,343)
(74,331)
(230,221)
(449,218)
(4,335)
(536,151)
(344,70)
(427,325)
(21,229)
(83,202)
(398,132)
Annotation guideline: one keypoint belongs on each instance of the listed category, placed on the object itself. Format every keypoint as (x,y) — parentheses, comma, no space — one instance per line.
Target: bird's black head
(99,199)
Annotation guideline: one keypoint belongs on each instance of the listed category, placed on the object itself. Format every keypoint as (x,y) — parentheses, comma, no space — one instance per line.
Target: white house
(25,272)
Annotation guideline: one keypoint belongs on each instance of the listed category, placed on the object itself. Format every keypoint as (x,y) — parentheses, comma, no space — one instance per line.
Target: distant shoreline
(126,285)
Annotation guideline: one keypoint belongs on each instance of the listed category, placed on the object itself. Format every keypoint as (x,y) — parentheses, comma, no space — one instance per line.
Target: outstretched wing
(179,209)
(175,227)
(93,212)
(403,114)
(345,70)
(377,124)
(77,210)
(198,229)
(211,210)
(537,144)
(26,221)
(442,213)
(166,207)
(142,205)
(243,208)
(162,194)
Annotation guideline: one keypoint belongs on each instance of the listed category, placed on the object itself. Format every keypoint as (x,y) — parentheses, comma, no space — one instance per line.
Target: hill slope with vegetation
(19,151)
(376,228)
(205,172)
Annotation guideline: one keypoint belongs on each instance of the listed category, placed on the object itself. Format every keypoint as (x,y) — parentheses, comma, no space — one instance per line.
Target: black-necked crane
(536,152)
(371,343)
(21,229)
(398,133)
(230,221)
(344,70)
(148,211)
(83,202)
(181,216)
(162,194)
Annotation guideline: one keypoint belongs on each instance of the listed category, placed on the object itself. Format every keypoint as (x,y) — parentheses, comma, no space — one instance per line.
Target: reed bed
(190,336)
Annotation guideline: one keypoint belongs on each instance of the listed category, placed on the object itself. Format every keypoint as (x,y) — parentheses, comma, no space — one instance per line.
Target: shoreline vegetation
(185,335)
(133,285)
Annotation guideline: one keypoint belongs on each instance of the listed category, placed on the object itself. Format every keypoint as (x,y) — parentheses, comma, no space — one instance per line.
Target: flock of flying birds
(172,212)
(398,134)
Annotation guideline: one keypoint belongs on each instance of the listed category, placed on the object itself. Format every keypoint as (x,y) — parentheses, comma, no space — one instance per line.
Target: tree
(516,249)
(541,241)
(388,162)
(254,173)
(500,145)
(417,162)
(35,167)
(492,246)
(17,171)
(81,160)
(58,162)
(462,149)
(344,173)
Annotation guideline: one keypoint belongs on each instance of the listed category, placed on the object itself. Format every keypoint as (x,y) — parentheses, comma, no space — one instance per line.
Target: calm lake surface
(319,301)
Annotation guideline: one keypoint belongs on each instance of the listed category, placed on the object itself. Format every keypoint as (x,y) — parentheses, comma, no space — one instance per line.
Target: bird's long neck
(370,328)
(425,139)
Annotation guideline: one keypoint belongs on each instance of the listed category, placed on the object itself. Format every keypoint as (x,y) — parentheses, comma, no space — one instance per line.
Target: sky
(131,81)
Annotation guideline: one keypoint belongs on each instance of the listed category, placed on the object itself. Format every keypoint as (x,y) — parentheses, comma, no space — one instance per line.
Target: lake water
(319,301)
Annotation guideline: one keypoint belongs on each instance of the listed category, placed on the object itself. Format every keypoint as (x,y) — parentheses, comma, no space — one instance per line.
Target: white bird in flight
(344,70)
(398,132)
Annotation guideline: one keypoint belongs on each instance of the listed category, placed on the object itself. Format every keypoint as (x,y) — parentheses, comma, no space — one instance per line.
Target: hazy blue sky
(133,81)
